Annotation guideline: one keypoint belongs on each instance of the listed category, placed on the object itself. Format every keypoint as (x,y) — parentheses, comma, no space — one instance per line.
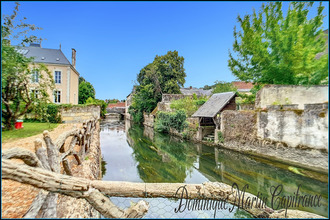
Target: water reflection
(140,155)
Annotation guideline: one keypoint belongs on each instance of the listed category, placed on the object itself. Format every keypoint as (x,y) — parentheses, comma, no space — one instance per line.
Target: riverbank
(269,152)
(138,154)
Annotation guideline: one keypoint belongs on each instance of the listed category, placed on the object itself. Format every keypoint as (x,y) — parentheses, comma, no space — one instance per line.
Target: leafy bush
(188,104)
(221,86)
(167,120)
(53,114)
(249,98)
(103,105)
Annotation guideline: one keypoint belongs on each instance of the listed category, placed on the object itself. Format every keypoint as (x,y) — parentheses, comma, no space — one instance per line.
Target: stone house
(65,75)
(210,112)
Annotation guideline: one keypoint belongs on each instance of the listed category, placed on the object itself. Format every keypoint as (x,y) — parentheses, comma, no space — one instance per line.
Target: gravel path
(17,197)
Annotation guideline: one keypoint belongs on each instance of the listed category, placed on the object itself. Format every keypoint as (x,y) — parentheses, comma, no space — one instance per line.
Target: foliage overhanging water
(138,154)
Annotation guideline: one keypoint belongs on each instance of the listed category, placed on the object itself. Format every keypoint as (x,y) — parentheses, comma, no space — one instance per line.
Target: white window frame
(35,76)
(55,96)
(59,77)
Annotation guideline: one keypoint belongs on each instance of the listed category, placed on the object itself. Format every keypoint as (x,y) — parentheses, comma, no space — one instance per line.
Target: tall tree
(276,49)
(17,71)
(165,74)
(220,86)
(86,90)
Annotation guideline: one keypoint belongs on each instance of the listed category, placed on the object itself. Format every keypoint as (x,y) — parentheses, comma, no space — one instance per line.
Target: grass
(30,129)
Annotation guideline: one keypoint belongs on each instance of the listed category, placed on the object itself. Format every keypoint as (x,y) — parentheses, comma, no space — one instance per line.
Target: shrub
(189,104)
(53,114)
(167,120)
(101,103)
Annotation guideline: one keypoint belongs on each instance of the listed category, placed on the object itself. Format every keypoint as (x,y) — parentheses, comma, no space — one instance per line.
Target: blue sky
(115,40)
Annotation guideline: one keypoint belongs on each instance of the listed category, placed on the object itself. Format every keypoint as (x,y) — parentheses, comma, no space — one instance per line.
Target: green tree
(143,101)
(221,86)
(86,90)
(275,49)
(108,101)
(81,79)
(99,102)
(17,71)
(165,74)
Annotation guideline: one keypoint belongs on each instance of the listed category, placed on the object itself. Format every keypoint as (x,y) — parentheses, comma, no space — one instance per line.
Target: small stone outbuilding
(209,112)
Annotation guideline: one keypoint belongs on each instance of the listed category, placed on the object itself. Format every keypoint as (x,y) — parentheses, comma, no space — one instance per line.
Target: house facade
(64,73)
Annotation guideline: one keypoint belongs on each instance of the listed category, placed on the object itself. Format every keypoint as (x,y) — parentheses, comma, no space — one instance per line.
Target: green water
(138,154)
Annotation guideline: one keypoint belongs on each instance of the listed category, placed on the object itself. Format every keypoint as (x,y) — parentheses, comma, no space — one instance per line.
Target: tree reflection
(162,160)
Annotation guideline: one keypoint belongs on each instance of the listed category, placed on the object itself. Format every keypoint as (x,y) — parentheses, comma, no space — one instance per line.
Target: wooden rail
(42,170)
(55,155)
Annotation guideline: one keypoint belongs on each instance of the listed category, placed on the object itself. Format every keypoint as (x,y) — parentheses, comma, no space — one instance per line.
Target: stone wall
(78,114)
(246,107)
(148,120)
(294,136)
(171,97)
(238,125)
(290,94)
(193,122)
(69,207)
(164,106)
(306,128)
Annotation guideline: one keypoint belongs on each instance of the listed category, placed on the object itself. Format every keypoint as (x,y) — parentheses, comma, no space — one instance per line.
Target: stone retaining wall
(298,137)
(69,207)
(291,94)
(78,114)
(149,120)
(306,128)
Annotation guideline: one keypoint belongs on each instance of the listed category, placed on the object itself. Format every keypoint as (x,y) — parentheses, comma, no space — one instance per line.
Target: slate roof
(215,104)
(44,55)
(198,92)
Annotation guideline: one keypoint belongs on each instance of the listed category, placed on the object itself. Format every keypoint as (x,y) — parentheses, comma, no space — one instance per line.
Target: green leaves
(86,90)
(164,75)
(221,86)
(275,49)
(17,72)
(167,120)
(103,105)
(188,104)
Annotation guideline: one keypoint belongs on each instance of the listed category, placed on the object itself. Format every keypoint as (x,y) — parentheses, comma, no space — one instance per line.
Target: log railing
(51,158)
(42,170)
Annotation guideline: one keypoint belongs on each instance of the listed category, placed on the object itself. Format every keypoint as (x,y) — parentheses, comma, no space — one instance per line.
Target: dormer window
(35,76)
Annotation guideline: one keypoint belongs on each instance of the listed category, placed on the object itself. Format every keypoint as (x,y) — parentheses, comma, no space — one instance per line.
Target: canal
(138,154)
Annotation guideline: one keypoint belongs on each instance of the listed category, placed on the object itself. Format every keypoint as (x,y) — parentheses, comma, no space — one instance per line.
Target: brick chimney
(73,57)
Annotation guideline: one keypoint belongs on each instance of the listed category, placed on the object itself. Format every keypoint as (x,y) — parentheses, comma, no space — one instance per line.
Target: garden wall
(148,120)
(78,114)
(69,207)
(298,137)
(291,94)
(306,128)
